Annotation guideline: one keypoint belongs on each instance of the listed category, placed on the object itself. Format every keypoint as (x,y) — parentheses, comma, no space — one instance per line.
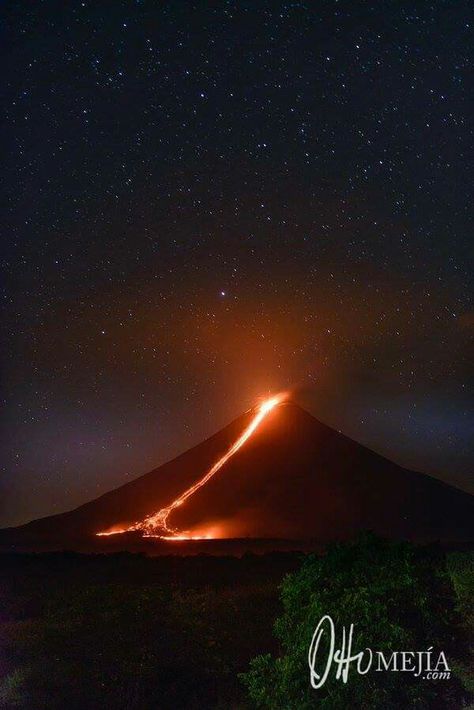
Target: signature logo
(343,658)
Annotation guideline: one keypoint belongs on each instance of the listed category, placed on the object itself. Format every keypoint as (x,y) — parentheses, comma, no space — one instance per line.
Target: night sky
(207,202)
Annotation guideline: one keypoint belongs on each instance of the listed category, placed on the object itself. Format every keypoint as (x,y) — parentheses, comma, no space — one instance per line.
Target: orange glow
(115,531)
(156,525)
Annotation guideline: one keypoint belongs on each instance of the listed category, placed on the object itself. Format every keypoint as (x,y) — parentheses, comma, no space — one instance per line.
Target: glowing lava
(156,525)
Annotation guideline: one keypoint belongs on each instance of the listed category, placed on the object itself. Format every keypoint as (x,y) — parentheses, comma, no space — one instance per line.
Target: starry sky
(208,202)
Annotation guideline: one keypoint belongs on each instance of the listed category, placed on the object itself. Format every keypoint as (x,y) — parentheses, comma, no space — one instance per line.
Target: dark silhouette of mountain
(294,479)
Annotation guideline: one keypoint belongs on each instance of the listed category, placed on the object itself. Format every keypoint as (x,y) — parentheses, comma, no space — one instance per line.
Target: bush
(400,598)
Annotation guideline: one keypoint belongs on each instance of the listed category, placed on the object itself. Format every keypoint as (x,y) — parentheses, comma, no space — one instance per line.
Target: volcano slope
(295,478)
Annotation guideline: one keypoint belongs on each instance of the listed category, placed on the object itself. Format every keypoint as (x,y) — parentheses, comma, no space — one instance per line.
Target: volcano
(293,478)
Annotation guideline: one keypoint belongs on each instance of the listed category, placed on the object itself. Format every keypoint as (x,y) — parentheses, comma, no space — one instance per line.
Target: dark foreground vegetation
(127,631)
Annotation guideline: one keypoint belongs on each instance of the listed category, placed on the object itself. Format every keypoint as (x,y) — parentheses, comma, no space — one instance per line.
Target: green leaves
(399,597)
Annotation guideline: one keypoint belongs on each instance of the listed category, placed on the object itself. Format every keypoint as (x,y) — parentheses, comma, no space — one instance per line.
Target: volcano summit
(275,472)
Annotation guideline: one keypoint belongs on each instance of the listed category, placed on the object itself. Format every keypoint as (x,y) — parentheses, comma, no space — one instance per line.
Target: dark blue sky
(207,203)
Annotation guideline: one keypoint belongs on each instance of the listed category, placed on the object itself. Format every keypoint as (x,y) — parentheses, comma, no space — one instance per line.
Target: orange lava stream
(156,525)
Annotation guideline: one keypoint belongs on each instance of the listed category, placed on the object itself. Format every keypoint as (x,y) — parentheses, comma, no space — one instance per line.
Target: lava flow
(156,525)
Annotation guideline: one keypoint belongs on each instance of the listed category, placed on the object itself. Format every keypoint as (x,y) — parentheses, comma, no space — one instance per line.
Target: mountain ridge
(294,478)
